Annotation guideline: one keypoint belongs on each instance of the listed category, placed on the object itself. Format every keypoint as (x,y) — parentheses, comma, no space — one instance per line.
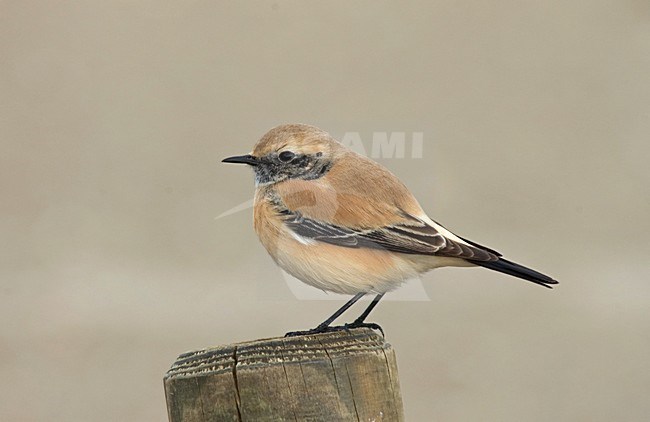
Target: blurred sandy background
(115,115)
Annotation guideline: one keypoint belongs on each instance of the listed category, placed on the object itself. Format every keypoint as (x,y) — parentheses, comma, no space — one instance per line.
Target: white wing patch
(443,231)
(303,240)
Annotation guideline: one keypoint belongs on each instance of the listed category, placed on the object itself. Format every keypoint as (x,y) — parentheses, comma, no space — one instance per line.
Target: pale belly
(352,270)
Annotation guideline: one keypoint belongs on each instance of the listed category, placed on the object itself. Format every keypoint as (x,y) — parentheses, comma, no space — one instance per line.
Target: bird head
(292,151)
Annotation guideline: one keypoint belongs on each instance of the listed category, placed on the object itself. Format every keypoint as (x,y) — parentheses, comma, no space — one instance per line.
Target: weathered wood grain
(338,376)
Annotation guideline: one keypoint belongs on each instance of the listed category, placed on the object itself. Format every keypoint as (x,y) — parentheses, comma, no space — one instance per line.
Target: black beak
(242,159)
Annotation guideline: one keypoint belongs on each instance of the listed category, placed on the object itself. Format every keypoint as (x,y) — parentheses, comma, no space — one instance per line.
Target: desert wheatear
(341,222)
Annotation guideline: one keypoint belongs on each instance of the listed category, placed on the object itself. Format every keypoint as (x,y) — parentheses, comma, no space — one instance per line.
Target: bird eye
(286,156)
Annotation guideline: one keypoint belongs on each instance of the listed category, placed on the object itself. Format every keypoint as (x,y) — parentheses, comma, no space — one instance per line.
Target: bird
(343,223)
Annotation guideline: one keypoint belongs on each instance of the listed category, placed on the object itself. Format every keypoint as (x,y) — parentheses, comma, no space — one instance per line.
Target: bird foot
(329,329)
(318,330)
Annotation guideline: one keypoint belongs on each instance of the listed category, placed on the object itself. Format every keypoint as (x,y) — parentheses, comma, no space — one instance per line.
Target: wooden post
(337,376)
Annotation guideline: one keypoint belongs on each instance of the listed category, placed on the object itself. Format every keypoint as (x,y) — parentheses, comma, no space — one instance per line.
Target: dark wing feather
(416,238)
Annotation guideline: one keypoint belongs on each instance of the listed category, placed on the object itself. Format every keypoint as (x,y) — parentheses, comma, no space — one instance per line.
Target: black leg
(359,322)
(323,326)
(369,309)
(342,309)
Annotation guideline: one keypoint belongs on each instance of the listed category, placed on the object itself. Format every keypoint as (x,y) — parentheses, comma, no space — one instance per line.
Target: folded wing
(412,237)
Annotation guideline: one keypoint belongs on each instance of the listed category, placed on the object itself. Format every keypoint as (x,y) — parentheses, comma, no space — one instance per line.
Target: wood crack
(234,376)
(354,402)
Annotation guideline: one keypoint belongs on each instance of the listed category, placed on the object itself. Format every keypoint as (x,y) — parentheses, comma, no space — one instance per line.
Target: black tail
(510,268)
